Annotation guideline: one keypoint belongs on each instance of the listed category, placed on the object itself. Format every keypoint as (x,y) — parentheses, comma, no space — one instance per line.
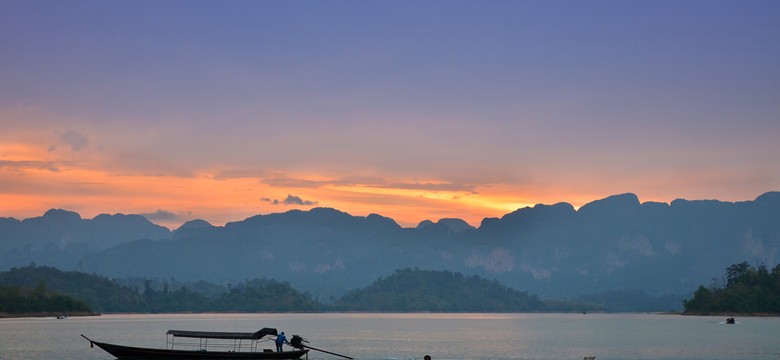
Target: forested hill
(413,290)
(18,301)
(100,293)
(104,295)
(405,291)
(747,290)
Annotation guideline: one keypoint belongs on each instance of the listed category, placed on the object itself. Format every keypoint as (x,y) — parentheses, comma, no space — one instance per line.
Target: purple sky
(411,109)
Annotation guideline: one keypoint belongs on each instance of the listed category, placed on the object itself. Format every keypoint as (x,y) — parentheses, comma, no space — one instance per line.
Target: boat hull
(137,353)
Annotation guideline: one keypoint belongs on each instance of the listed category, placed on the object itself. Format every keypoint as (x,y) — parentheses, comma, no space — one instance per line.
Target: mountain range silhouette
(616,243)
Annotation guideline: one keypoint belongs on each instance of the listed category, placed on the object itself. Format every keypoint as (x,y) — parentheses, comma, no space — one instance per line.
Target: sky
(414,110)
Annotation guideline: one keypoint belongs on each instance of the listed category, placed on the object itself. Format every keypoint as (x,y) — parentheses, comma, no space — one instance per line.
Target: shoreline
(4,315)
(732,314)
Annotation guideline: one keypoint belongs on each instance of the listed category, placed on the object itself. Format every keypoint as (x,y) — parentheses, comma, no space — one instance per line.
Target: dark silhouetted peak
(10,221)
(60,228)
(195,224)
(314,222)
(615,205)
(559,209)
(489,223)
(61,215)
(682,203)
(653,208)
(424,224)
(655,205)
(540,212)
(132,223)
(528,219)
(445,226)
(325,211)
(456,225)
(122,219)
(126,227)
(765,207)
(316,215)
(10,233)
(321,216)
(197,228)
(375,219)
(55,219)
(769,197)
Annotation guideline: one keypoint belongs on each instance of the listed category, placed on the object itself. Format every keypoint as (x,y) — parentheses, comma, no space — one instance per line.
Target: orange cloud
(35,177)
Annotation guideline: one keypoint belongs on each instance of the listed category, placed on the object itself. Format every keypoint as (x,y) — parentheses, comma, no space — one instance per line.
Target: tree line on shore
(101,295)
(407,290)
(745,289)
(34,289)
(39,300)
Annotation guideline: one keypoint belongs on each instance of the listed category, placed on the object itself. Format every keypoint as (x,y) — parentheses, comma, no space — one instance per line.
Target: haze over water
(410,336)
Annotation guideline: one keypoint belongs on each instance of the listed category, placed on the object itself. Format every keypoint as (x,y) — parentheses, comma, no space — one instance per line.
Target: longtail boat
(207,345)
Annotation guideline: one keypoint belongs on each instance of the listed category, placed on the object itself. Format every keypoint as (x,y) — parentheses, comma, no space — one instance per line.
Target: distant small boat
(209,345)
(62,316)
(731,320)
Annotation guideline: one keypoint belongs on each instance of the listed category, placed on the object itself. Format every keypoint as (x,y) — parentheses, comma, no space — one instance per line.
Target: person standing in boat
(281,340)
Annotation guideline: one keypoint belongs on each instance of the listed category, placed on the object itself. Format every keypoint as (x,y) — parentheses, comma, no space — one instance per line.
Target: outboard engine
(297,342)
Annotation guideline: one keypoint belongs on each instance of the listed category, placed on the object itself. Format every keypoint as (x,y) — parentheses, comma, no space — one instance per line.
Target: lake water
(410,336)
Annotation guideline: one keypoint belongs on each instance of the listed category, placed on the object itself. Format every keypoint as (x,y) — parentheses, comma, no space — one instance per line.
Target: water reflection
(410,336)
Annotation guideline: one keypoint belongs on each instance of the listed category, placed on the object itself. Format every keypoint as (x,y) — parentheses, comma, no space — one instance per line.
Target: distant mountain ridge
(62,228)
(610,244)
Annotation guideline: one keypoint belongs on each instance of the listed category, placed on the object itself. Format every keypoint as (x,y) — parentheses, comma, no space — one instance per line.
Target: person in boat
(280,341)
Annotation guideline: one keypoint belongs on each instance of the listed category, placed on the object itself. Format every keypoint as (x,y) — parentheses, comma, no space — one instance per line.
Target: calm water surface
(410,336)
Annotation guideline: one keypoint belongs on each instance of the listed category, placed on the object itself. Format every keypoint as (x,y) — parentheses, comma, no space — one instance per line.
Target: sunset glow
(414,111)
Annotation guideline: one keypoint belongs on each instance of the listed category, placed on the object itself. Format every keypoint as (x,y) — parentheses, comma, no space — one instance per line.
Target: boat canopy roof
(223,335)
